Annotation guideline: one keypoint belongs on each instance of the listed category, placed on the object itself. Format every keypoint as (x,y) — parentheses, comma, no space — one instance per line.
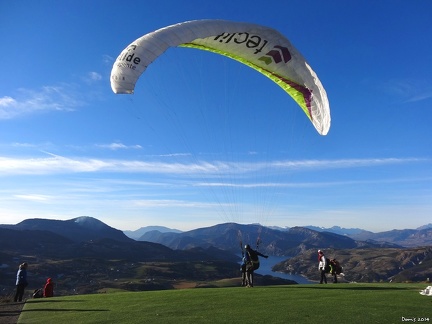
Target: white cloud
(342,163)
(7,101)
(107,59)
(119,146)
(410,90)
(56,164)
(34,197)
(48,98)
(173,203)
(421,96)
(94,76)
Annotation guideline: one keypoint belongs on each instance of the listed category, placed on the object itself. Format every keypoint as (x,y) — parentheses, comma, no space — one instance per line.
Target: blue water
(267,264)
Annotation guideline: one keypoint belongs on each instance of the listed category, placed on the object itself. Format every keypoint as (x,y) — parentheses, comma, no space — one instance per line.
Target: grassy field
(313,303)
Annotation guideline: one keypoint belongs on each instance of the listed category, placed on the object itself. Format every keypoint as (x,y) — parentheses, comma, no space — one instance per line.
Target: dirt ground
(10,312)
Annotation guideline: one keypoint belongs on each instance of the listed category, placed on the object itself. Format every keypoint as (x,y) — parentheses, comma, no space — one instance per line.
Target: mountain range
(77,229)
(88,237)
(87,251)
(176,239)
(420,236)
(84,255)
(396,255)
(141,231)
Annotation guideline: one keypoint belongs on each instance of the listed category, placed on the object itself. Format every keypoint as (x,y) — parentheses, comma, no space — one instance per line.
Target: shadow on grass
(9,313)
(50,300)
(346,287)
(63,310)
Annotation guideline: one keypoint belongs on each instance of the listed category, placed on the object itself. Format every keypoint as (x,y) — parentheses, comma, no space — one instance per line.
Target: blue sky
(204,139)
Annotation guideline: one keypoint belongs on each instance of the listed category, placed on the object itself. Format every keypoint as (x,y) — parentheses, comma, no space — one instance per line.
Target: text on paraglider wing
(128,59)
(250,41)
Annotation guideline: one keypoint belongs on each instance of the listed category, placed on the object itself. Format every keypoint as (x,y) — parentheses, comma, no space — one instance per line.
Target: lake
(267,264)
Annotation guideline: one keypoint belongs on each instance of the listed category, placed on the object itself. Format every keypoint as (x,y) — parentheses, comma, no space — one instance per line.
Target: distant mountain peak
(141,231)
(427,226)
(336,229)
(89,222)
(78,229)
(83,219)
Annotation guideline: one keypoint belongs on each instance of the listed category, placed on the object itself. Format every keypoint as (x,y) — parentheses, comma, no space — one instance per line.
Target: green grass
(341,303)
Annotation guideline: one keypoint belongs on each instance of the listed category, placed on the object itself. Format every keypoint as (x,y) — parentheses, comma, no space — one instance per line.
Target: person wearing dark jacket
(21,282)
(49,288)
(243,271)
(252,263)
(335,269)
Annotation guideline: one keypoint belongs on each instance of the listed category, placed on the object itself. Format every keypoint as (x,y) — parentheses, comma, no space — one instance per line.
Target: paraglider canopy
(259,47)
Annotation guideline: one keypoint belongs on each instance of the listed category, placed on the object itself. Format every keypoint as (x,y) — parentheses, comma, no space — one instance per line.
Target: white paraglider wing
(261,48)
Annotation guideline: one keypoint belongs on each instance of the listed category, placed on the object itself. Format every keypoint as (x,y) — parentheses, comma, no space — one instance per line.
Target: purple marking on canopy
(307,93)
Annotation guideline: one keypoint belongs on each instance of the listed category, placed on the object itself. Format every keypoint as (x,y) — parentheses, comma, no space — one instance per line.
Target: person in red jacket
(49,288)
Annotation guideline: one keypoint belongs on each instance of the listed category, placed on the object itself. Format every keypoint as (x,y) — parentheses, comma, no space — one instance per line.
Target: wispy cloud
(172,203)
(92,77)
(310,184)
(107,59)
(47,98)
(55,164)
(34,197)
(7,101)
(342,163)
(118,146)
(410,90)
(420,96)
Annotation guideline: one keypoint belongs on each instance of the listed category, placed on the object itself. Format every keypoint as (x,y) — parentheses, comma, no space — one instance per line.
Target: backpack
(37,293)
(327,267)
(253,260)
(336,267)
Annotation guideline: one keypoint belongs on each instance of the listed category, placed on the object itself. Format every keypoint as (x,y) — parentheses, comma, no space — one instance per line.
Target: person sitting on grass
(49,288)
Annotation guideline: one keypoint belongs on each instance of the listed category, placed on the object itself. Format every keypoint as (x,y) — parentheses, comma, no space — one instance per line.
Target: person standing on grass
(252,263)
(243,272)
(322,263)
(21,282)
(335,269)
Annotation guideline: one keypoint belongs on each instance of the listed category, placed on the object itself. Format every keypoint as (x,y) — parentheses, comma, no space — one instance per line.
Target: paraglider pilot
(243,271)
(335,269)
(252,263)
